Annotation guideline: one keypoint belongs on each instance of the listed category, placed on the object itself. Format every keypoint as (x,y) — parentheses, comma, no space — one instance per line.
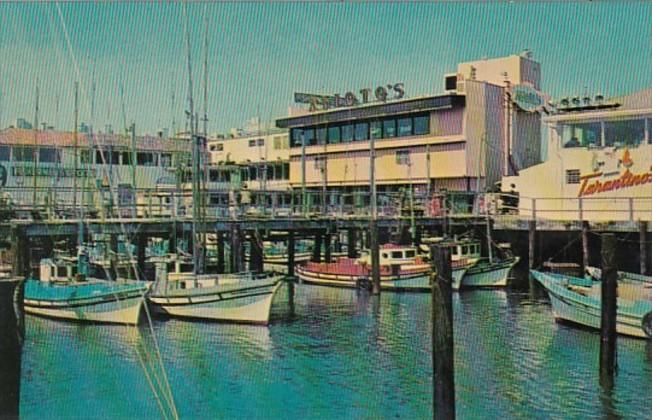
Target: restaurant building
(464,138)
(599,164)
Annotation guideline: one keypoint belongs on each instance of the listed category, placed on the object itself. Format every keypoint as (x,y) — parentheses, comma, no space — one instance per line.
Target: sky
(259,54)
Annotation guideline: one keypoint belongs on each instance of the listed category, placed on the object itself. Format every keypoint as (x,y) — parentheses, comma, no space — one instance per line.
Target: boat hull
(458,274)
(406,283)
(489,275)
(584,310)
(249,303)
(116,307)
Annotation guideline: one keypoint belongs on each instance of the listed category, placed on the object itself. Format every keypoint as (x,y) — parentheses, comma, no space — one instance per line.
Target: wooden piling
(141,247)
(375,257)
(220,252)
(442,334)
(351,241)
(609,285)
(532,236)
(237,263)
(12,333)
(291,253)
(327,247)
(585,245)
(642,244)
(316,248)
(255,252)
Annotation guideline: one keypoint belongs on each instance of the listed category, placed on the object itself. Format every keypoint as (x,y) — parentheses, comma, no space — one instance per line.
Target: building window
(334,134)
(253,173)
(85,157)
(309,137)
(422,125)
(581,135)
(321,135)
(389,128)
(280,142)
(260,142)
(252,143)
(624,133)
(573,176)
(166,160)
(376,130)
(114,157)
(286,171)
(23,154)
(404,127)
(146,159)
(402,157)
(126,158)
(362,131)
(49,155)
(5,153)
(217,147)
(296,134)
(347,133)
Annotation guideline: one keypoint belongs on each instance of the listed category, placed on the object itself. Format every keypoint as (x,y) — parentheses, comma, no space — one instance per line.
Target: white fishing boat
(465,253)
(65,292)
(578,300)
(238,297)
(401,269)
(489,273)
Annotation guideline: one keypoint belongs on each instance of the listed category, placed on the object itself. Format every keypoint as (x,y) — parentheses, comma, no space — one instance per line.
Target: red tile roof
(23,137)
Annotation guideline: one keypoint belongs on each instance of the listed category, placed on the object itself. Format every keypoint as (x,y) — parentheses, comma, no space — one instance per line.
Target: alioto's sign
(618,181)
(366,95)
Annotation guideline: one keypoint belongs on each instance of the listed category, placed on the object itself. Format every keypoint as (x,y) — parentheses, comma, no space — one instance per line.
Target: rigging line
(91,140)
(151,384)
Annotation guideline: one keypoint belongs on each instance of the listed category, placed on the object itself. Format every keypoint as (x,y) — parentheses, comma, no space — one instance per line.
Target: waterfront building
(464,138)
(599,164)
(262,159)
(54,163)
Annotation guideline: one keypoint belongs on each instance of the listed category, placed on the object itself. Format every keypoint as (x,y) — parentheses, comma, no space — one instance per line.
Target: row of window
(270,172)
(52,155)
(279,142)
(383,128)
(605,133)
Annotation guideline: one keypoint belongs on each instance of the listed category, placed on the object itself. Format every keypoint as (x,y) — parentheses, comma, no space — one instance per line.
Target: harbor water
(343,354)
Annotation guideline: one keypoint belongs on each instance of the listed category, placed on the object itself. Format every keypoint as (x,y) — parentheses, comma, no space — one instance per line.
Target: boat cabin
(59,270)
(461,249)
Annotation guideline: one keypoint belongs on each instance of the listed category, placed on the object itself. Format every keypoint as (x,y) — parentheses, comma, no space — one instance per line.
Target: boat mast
(486,204)
(195,152)
(35,151)
(76,148)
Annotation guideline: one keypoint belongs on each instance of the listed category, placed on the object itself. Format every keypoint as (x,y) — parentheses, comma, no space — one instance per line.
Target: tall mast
(195,152)
(76,146)
(35,151)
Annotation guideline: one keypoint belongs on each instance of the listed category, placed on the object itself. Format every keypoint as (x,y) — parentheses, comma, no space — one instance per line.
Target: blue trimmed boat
(578,300)
(64,293)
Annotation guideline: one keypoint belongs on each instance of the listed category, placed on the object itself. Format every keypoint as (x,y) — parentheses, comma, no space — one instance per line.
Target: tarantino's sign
(617,181)
(322,102)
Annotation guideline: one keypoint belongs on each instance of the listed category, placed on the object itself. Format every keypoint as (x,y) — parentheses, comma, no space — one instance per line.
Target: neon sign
(527,98)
